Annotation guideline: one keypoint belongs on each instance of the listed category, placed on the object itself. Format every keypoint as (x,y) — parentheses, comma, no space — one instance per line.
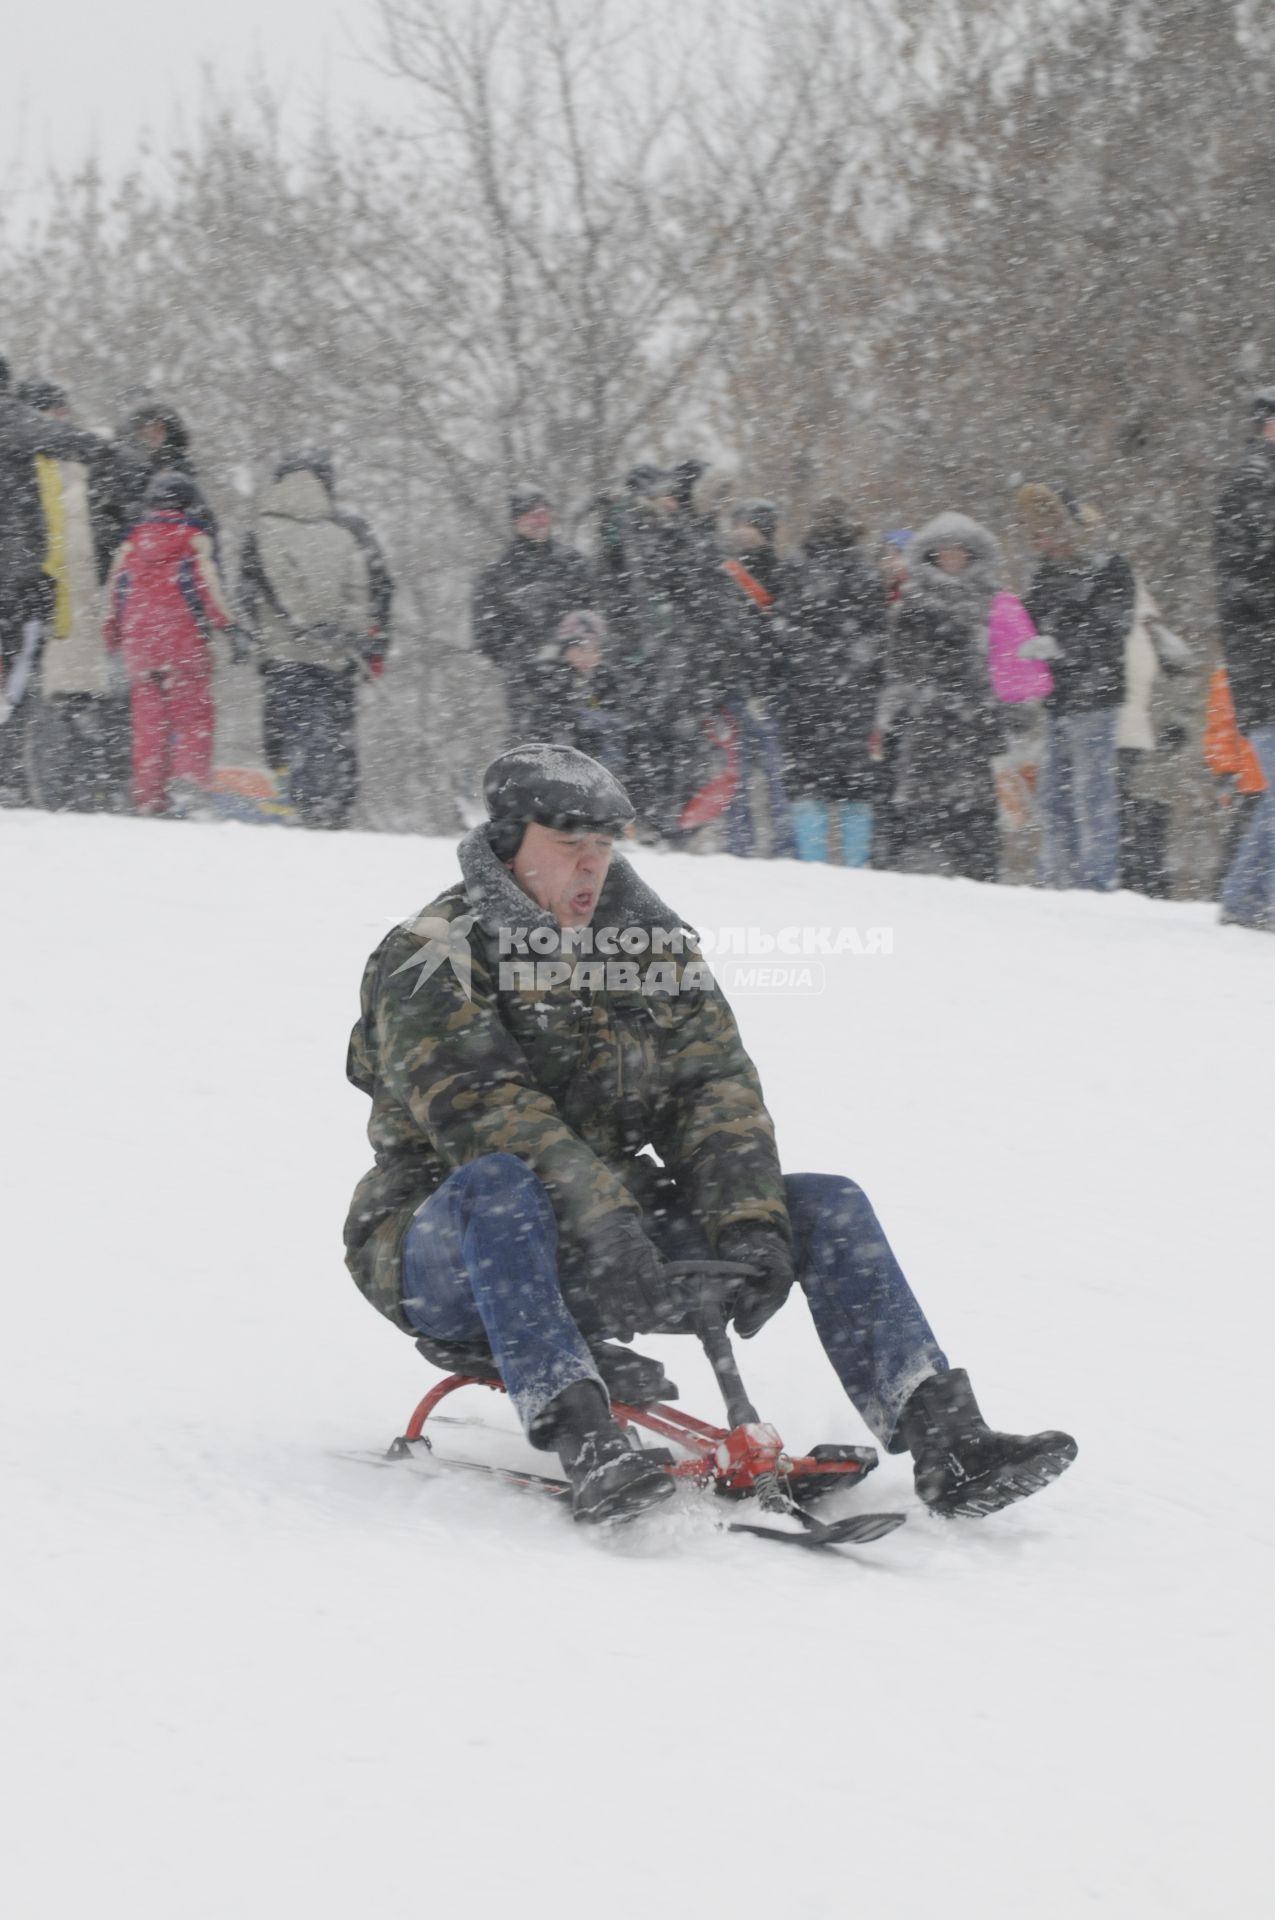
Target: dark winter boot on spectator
(963,1466)
(610,1480)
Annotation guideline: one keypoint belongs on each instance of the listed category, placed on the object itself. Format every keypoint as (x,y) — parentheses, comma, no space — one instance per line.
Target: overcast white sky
(92,75)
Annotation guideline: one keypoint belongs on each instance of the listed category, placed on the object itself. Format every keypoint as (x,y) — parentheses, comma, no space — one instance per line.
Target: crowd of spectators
(882,698)
(868,698)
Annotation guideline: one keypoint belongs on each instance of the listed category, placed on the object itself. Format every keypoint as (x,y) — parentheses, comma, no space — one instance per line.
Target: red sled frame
(746,1459)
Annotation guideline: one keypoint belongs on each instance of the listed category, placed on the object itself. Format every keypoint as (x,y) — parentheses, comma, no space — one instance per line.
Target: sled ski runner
(858,1529)
(745,1460)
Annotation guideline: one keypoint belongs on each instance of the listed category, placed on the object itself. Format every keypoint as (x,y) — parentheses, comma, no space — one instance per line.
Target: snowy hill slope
(244,1676)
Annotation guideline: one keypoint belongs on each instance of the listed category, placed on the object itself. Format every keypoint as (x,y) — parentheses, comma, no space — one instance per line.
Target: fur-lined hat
(832,523)
(525,496)
(1056,511)
(761,514)
(555,785)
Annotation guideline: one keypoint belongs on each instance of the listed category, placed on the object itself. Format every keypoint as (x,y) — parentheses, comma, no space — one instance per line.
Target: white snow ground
(246,1677)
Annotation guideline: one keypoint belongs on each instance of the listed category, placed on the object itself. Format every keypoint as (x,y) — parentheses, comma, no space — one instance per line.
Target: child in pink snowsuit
(162,596)
(1014,681)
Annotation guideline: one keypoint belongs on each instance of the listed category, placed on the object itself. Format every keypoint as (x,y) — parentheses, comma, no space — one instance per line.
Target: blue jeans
(1248,892)
(1080,801)
(761,762)
(817,824)
(479,1262)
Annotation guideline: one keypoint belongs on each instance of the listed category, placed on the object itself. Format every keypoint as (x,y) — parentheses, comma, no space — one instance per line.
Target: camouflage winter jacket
(572,1062)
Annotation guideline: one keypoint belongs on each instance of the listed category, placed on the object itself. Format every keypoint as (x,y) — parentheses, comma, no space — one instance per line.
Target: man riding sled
(561,1107)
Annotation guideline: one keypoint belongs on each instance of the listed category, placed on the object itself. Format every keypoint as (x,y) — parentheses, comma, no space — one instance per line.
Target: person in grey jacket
(306,592)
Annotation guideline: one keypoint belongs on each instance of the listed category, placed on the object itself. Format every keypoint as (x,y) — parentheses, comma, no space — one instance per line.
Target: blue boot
(856,833)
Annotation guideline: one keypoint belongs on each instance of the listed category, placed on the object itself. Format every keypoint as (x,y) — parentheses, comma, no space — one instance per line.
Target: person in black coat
(834,656)
(26,591)
(520,603)
(661,589)
(78,732)
(153,438)
(1244,552)
(1082,599)
(1244,556)
(758,594)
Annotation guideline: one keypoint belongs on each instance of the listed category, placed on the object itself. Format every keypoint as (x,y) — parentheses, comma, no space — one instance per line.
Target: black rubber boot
(963,1466)
(610,1480)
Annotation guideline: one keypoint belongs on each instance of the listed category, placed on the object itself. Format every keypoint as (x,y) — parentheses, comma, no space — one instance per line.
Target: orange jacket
(1226,751)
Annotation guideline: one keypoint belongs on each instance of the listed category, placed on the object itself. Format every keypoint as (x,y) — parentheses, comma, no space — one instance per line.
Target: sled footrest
(826,1468)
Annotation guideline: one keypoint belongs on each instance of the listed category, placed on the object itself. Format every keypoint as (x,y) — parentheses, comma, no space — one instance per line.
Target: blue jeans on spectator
(1080,801)
(1248,892)
(836,830)
(761,765)
(480,1263)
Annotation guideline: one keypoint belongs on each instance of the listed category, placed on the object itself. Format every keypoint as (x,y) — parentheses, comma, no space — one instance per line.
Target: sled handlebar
(707,1284)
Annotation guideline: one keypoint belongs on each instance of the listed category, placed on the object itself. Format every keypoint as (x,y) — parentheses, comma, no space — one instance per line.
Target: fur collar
(498,900)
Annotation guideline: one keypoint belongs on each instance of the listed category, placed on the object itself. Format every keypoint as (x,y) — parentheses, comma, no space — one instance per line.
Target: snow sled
(745,1460)
(247,794)
(711,801)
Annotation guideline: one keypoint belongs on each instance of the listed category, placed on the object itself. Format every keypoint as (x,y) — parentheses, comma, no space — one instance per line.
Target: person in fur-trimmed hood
(530,1043)
(938,705)
(1082,599)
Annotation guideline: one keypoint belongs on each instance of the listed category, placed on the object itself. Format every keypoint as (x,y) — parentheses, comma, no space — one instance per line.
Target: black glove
(767,1252)
(619,1287)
